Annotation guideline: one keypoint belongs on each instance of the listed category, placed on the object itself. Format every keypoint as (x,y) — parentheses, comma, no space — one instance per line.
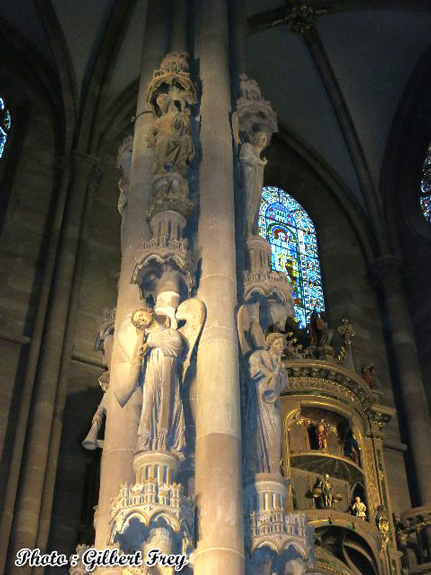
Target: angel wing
(193,311)
(127,370)
(250,333)
(243,322)
(127,338)
(235,129)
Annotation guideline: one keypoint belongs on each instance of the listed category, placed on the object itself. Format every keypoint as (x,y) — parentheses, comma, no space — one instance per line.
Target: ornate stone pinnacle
(174,73)
(175,62)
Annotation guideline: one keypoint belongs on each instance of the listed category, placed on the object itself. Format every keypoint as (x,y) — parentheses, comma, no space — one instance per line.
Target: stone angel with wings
(162,354)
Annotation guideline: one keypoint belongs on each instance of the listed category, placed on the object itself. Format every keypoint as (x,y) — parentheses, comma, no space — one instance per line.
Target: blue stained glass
(290,231)
(7,120)
(3,138)
(426,208)
(5,125)
(425,199)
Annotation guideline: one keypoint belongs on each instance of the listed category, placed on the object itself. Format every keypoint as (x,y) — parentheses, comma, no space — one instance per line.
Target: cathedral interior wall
(29,190)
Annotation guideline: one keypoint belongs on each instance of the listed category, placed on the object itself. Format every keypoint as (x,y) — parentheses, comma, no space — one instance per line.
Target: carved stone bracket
(173,72)
(260,279)
(164,262)
(154,511)
(253,113)
(272,535)
(268,283)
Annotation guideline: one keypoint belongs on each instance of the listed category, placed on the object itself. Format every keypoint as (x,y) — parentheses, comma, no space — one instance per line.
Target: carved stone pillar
(153,353)
(387,273)
(180,24)
(122,422)
(267,294)
(273,537)
(218,434)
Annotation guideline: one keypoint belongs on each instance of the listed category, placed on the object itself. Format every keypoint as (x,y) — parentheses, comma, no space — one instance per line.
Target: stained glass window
(290,231)
(425,193)
(5,125)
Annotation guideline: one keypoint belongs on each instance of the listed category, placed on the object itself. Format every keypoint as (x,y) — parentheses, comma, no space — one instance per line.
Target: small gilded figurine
(359,509)
(325,488)
(351,448)
(321,434)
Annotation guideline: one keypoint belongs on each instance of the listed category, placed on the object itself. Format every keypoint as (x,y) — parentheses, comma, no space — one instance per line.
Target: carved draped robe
(162,422)
(252,168)
(172,139)
(263,417)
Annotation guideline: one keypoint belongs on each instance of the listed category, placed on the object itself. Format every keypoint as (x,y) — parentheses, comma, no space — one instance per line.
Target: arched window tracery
(425,191)
(5,125)
(290,231)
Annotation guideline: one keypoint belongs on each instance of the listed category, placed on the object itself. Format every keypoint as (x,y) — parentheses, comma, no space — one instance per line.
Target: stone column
(180,26)
(30,375)
(122,422)
(218,434)
(25,529)
(239,21)
(387,272)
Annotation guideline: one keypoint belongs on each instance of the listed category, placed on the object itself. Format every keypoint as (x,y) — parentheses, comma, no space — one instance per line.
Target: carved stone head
(143,318)
(274,342)
(260,139)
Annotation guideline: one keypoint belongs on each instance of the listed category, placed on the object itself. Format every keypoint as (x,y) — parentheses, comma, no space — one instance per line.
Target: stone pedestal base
(159,466)
(170,192)
(268,494)
(275,537)
(259,254)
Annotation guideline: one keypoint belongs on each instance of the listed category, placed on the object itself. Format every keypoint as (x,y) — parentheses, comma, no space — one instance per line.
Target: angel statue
(252,168)
(159,352)
(263,420)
